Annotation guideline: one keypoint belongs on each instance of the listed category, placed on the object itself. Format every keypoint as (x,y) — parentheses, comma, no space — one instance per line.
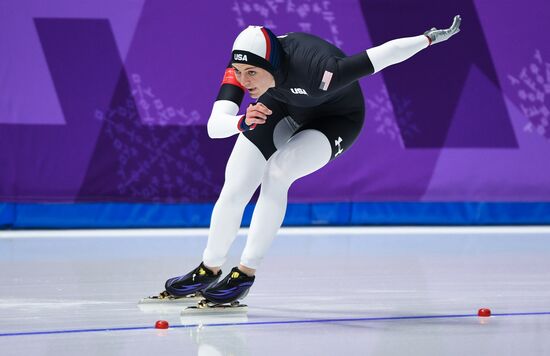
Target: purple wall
(108,100)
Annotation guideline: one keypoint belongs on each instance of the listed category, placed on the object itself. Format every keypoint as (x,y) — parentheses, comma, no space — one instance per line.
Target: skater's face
(255,79)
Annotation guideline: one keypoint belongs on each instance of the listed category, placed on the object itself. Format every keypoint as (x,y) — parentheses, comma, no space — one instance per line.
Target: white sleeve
(396,51)
(224,121)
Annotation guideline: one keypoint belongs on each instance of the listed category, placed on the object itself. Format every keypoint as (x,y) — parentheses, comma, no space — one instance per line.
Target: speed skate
(167,298)
(206,307)
(224,296)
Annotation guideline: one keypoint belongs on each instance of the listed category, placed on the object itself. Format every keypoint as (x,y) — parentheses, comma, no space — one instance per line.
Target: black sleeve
(230,89)
(344,71)
(230,92)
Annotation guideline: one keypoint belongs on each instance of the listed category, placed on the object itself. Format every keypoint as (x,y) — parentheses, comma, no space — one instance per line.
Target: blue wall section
(124,215)
(7,214)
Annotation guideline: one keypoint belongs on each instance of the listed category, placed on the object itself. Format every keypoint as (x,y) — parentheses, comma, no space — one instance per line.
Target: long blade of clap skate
(183,300)
(215,310)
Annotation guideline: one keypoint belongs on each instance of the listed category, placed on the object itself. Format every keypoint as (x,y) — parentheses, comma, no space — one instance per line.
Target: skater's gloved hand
(436,36)
(256,114)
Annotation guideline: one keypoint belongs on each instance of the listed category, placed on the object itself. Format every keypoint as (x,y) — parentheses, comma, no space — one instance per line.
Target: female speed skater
(309,111)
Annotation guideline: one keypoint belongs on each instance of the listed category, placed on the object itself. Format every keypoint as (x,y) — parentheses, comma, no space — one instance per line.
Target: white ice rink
(371,291)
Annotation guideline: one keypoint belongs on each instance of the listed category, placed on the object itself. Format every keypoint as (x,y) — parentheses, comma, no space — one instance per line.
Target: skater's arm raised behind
(351,68)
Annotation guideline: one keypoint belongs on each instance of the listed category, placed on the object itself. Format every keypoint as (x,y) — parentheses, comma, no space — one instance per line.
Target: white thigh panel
(283,131)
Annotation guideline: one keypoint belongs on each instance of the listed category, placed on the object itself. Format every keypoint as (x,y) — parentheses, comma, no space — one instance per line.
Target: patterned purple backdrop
(108,100)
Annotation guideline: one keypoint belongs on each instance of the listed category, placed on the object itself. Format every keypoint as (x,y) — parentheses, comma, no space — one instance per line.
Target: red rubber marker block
(161,324)
(484,312)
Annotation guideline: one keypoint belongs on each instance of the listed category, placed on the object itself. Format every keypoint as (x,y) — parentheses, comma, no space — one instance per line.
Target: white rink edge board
(317,231)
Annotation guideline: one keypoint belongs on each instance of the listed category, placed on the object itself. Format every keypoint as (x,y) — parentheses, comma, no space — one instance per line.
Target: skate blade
(203,309)
(158,299)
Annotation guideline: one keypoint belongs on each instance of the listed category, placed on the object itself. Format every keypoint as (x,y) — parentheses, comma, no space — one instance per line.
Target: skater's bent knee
(277,172)
(234,194)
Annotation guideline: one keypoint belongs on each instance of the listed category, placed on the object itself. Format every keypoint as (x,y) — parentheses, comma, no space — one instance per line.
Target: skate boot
(224,295)
(185,288)
(193,282)
(233,287)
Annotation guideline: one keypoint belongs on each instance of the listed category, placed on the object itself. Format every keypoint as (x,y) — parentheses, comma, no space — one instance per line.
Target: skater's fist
(256,114)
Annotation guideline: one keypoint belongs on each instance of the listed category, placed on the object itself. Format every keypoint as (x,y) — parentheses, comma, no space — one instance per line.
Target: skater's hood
(257,46)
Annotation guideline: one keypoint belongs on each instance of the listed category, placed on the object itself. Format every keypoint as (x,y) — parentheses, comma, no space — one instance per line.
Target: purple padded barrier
(109,102)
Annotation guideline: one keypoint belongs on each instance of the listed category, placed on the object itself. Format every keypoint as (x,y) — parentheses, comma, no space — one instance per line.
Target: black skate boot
(233,287)
(193,282)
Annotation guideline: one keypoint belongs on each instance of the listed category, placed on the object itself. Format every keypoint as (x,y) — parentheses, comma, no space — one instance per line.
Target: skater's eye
(251,73)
